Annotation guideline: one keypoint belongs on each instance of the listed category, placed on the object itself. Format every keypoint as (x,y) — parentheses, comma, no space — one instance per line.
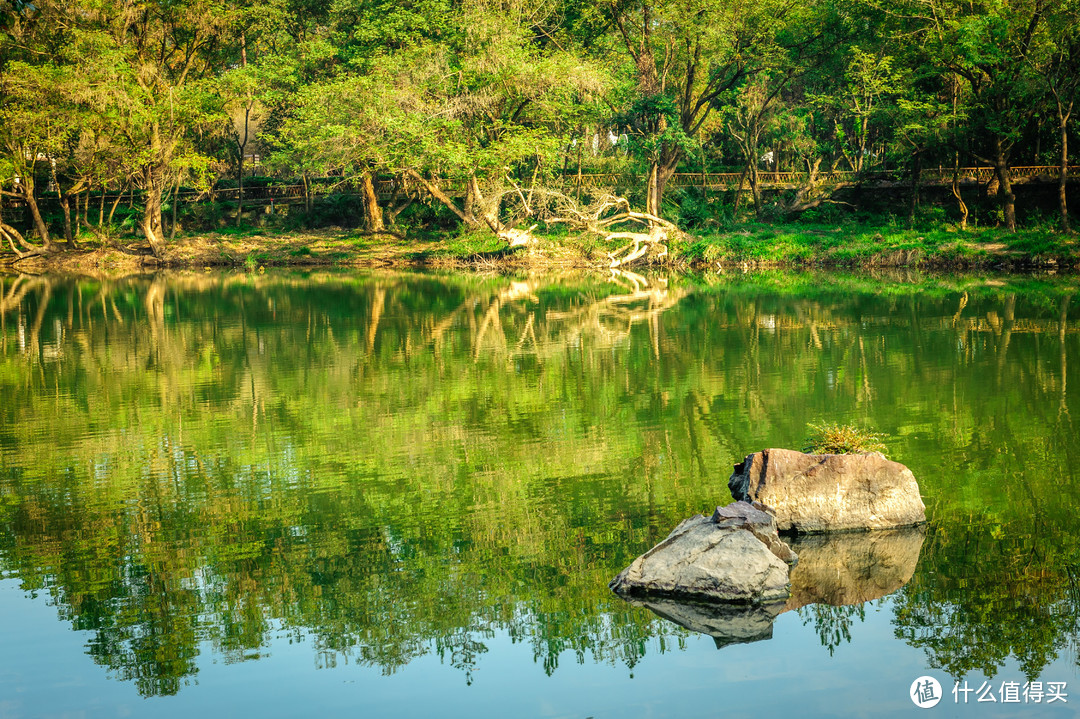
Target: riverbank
(742,246)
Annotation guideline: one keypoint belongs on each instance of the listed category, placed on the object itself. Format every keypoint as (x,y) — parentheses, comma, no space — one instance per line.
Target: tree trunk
(434,191)
(240,188)
(652,192)
(65,205)
(488,211)
(396,207)
(1063,175)
(175,202)
(1005,191)
(661,171)
(101,206)
(35,212)
(755,188)
(956,192)
(738,194)
(470,197)
(9,233)
(860,146)
(916,171)
(77,225)
(578,185)
(373,217)
(115,204)
(151,220)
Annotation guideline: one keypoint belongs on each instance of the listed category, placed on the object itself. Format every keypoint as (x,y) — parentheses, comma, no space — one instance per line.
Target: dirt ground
(315,248)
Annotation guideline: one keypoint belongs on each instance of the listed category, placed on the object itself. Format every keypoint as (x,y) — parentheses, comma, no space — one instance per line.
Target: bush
(842,439)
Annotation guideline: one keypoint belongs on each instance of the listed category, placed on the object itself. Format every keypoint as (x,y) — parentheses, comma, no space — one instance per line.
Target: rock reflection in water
(725,623)
(852,567)
(837,570)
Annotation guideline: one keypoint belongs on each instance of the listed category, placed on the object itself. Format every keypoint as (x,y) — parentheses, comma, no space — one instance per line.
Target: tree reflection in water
(390,465)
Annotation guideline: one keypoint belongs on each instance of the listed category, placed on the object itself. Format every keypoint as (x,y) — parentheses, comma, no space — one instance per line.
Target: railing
(287,194)
(929,176)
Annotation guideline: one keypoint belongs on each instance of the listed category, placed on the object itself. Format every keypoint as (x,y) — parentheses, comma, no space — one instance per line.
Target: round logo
(925,692)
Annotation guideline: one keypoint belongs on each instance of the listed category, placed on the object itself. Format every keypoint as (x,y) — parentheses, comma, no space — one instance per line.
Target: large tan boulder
(829,492)
(718,558)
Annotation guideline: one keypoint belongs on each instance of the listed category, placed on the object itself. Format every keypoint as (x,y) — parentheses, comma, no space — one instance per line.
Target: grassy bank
(868,246)
(746,245)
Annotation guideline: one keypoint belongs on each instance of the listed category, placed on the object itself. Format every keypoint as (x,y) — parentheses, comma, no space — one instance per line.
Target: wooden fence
(721,181)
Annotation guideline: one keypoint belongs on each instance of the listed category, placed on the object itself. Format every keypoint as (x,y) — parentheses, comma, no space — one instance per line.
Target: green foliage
(653,123)
(825,438)
(511,96)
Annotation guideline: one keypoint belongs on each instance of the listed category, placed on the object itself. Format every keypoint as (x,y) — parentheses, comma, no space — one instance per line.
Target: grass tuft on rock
(842,439)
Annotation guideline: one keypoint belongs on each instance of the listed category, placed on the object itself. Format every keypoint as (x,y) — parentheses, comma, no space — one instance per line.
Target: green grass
(242,231)
(842,439)
(475,242)
(859,245)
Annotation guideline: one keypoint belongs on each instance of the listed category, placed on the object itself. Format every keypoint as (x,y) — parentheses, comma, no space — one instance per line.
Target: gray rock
(756,518)
(837,569)
(716,560)
(829,492)
(725,623)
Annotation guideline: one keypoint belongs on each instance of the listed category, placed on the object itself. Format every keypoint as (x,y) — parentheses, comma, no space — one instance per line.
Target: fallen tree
(605,214)
(489,208)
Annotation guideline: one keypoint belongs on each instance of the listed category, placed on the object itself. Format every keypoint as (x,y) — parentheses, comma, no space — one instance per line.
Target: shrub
(842,439)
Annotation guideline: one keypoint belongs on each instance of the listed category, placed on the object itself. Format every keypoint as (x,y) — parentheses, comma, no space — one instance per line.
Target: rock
(829,492)
(718,558)
(838,569)
(853,567)
(755,517)
(725,623)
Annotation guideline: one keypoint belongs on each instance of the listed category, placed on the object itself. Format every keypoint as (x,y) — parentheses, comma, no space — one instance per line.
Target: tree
(239,90)
(870,78)
(748,119)
(483,113)
(990,45)
(686,55)
(29,121)
(27,137)
(1059,59)
(153,65)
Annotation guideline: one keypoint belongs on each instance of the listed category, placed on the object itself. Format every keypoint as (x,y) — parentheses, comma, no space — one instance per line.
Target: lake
(396,494)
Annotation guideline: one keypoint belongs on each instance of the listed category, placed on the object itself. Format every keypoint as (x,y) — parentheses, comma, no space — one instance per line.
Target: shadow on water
(388,466)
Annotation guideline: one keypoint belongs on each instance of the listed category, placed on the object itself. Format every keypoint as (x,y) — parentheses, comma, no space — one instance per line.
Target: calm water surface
(403,495)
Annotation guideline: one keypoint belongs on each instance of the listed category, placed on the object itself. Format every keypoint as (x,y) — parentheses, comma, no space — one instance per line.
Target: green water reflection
(392,465)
